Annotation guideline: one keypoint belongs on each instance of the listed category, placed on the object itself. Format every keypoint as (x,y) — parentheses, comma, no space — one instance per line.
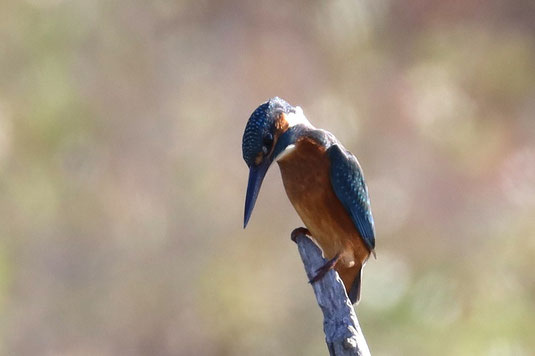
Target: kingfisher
(323,181)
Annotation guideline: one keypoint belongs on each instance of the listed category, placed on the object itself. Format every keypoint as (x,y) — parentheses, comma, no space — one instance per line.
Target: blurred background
(122,182)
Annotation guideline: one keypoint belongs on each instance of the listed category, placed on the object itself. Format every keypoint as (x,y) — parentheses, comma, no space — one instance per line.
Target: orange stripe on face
(259,158)
(281,124)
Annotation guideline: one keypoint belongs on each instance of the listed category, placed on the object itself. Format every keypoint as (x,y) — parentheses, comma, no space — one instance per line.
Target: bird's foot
(320,272)
(299,231)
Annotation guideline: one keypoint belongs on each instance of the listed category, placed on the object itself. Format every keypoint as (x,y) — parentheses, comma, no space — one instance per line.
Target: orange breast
(305,174)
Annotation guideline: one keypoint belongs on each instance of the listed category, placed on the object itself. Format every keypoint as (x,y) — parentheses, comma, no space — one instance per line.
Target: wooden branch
(340,324)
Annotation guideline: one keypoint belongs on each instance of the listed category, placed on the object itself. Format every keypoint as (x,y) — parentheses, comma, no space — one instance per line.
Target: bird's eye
(267,143)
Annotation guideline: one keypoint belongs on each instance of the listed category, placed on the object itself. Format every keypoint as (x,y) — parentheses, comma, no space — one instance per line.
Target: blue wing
(349,186)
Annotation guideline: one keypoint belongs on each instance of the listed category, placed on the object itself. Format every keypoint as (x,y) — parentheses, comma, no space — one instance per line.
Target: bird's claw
(322,271)
(299,231)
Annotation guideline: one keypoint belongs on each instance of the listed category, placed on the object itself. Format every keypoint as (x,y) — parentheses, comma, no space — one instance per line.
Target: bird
(323,181)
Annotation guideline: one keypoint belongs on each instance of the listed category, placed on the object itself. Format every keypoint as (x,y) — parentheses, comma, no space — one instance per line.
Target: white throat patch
(293,119)
(297,117)
(289,149)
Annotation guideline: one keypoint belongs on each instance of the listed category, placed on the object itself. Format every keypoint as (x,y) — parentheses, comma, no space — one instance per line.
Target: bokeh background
(122,182)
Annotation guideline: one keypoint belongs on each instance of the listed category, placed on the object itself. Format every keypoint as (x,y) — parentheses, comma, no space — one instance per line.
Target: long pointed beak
(256,177)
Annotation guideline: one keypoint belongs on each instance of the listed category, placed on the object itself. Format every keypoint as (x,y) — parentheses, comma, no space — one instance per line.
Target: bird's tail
(354,291)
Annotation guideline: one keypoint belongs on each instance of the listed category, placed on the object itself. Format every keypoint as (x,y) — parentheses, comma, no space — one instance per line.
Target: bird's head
(262,143)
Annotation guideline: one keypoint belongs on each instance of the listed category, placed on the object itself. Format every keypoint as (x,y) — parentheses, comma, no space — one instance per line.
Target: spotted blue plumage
(261,123)
(349,186)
